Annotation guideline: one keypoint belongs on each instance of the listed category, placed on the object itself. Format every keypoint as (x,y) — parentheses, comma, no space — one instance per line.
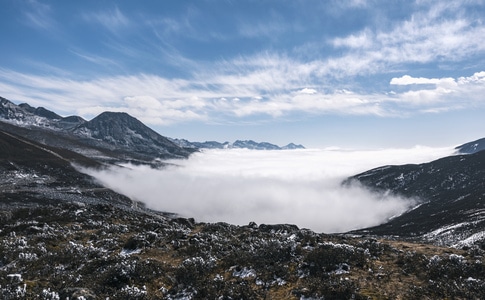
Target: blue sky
(320,73)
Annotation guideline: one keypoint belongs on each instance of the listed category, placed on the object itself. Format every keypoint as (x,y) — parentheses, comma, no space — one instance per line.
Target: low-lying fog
(301,187)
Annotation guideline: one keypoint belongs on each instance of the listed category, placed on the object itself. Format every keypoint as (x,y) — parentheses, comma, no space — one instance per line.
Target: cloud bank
(159,101)
(270,187)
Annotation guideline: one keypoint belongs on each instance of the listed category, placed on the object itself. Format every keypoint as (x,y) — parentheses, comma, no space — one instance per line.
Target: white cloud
(361,40)
(307,91)
(143,102)
(436,32)
(277,91)
(407,80)
(299,187)
(446,93)
(96,59)
(478,77)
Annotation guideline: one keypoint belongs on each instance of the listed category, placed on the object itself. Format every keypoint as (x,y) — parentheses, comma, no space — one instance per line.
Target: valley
(65,236)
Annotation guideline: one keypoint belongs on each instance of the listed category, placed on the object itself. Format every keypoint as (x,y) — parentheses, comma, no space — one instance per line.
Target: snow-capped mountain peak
(124,131)
(238,144)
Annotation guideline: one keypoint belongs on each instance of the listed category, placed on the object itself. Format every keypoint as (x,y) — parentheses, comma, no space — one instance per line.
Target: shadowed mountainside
(111,137)
(472,147)
(450,193)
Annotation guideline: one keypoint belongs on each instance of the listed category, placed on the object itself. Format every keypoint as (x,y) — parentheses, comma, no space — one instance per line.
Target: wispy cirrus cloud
(39,15)
(113,20)
(439,33)
(153,99)
(95,59)
(166,26)
(270,28)
(157,100)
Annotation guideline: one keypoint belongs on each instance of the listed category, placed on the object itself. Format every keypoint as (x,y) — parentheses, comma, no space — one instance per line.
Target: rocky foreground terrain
(75,250)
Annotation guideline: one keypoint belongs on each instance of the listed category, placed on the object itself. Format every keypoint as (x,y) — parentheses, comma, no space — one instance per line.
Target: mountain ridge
(115,136)
(237,144)
(471,147)
(451,199)
(122,130)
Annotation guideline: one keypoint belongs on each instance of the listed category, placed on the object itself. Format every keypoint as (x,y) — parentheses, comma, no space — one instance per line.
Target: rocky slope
(471,147)
(110,136)
(123,133)
(32,173)
(450,194)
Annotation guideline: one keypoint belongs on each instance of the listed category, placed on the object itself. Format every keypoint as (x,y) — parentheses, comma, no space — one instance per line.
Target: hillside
(32,173)
(110,137)
(451,199)
(471,147)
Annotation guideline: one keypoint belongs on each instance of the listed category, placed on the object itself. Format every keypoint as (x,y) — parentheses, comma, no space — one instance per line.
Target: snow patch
(479,236)
(128,252)
(444,229)
(243,273)
(15,277)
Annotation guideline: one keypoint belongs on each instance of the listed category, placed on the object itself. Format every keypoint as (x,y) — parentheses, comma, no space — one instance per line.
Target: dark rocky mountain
(63,236)
(238,144)
(70,123)
(25,114)
(111,137)
(450,194)
(124,132)
(471,147)
(10,111)
(40,111)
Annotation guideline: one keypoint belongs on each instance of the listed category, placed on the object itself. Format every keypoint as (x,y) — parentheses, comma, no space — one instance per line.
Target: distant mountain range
(238,144)
(111,136)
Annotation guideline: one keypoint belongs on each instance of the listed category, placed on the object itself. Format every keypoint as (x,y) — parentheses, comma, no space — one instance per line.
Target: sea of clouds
(301,187)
